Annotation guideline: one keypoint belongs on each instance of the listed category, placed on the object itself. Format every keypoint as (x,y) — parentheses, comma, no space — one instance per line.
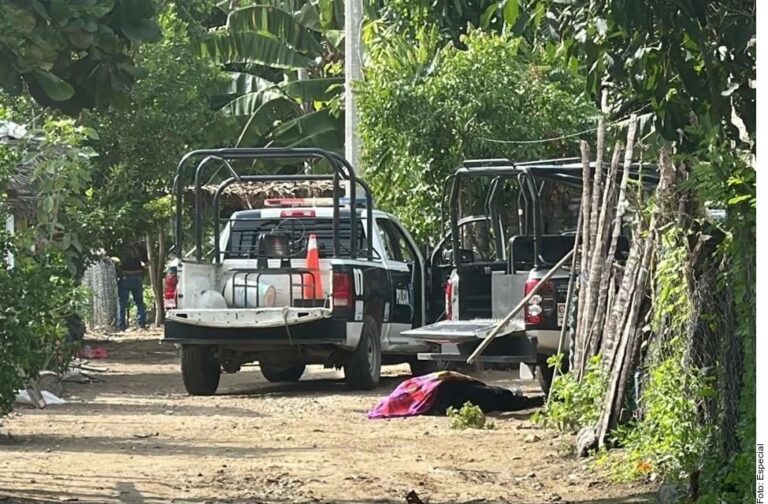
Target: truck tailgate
(462,331)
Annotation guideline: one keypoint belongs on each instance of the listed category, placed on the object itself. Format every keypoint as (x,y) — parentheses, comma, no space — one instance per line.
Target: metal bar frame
(340,166)
(289,272)
(492,211)
(247,178)
(564,170)
(499,168)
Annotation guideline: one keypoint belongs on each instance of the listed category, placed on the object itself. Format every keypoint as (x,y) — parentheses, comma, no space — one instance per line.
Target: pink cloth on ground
(414,396)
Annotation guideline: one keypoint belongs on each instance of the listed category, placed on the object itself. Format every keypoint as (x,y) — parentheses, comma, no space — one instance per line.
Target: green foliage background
(40,293)
(72,54)
(168,112)
(435,92)
(425,107)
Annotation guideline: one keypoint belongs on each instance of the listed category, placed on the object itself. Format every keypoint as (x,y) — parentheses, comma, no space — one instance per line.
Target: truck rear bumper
(549,340)
(511,349)
(319,331)
(248,317)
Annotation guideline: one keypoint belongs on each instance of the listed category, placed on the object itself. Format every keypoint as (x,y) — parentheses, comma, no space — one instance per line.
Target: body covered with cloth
(432,394)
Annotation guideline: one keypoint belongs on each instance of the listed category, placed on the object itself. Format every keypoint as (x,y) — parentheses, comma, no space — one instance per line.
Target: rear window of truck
(244,236)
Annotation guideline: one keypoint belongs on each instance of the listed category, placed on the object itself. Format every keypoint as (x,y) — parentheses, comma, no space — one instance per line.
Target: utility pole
(353,21)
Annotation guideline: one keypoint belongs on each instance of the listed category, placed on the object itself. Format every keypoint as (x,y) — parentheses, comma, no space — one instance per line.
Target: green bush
(574,404)
(670,440)
(468,417)
(73,54)
(40,294)
(668,437)
(37,296)
(425,108)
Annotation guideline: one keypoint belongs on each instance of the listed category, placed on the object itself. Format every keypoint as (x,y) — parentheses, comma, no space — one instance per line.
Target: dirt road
(137,437)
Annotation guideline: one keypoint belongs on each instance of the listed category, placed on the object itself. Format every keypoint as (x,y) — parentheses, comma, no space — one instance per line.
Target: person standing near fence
(130,281)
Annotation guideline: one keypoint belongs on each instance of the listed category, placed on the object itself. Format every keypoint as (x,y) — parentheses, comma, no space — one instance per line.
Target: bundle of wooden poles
(612,299)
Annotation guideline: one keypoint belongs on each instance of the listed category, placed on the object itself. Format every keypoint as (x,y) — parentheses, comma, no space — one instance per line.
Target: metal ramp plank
(490,359)
(461,331)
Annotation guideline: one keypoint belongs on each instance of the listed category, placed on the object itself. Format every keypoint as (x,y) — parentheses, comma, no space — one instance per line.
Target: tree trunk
(157,256)
(162,256)
(152,256)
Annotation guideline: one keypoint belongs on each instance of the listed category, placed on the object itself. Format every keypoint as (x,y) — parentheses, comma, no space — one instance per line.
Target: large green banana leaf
(250,47)
(269,20)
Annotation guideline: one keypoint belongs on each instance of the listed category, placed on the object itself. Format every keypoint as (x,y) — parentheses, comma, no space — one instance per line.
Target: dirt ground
(137,437)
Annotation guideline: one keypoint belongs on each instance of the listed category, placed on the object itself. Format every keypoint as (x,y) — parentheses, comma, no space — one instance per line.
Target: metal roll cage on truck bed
(510,310)
(296,281)
(341,170)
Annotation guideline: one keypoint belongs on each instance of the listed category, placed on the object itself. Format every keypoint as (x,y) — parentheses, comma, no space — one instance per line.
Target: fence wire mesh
(101,281)
(710,349)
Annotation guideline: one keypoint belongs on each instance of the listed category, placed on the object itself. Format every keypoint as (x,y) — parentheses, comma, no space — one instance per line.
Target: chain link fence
(101,281)
(703,345)
(713,346)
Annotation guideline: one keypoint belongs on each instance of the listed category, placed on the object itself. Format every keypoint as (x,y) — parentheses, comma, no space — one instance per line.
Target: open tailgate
(462,331)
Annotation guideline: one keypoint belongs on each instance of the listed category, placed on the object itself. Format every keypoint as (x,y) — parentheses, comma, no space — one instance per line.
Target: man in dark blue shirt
(130,281)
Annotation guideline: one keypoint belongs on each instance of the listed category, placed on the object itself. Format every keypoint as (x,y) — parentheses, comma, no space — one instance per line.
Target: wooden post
(162,256)
(586,196)
(598,264)
(622,359)
(605,302)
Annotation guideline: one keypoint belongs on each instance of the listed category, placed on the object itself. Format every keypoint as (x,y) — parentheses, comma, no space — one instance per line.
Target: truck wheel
(363,367)
(545,374)
(199,369)
(422,367)
(278,374)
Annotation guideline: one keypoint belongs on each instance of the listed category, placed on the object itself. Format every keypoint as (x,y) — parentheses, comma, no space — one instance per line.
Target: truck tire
(200,369)
(424,367)
(362,369)
(545,374)
(278,374)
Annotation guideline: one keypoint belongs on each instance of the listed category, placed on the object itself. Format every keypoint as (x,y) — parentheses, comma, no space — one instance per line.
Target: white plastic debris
(12,130)
(48,399)
(52,399)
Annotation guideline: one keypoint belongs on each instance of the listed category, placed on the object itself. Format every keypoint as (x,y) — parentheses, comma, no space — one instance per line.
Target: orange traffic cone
(313,284)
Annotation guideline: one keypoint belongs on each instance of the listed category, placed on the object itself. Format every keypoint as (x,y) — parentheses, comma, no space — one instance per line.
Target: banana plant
(283,59)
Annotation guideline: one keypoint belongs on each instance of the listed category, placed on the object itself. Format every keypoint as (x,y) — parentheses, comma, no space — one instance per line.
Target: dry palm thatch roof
(252,195)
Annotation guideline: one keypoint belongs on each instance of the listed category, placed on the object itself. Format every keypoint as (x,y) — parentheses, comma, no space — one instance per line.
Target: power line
(617,122)
(545,140)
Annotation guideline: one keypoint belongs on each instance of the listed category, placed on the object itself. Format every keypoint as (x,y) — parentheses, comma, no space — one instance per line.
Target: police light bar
(310,202)
(297,202)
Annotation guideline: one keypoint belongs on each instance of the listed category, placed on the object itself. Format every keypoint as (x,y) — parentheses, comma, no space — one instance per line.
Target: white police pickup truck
(254,299)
